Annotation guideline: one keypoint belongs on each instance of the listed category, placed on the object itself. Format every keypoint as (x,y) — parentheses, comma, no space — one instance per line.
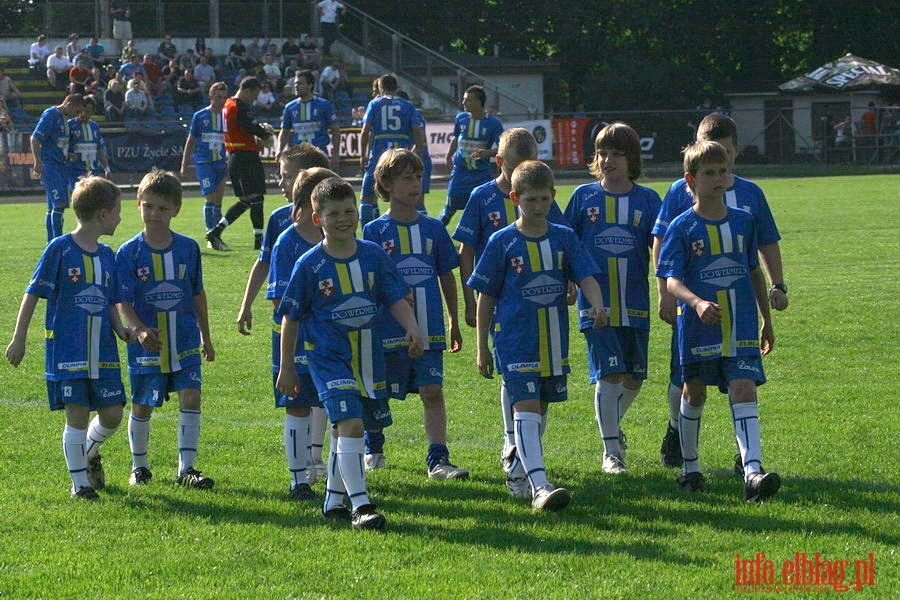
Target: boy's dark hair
(307,75)
(393,163)
(703,151)
(88,101)
(532,174)
(387,83)
(91,195)
(717,127)
(622,137)
(331,190)
(162,184)
(477,90)
(518,141)
(249,83)
(305,156)
(307,180)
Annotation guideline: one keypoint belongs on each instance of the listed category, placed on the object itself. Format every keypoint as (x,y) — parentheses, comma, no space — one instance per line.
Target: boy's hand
(766,338)
(667,311)
(485,362)
(127,335)
(599,317)
(471,312)
(415,344)
(778,299)
(287,382)
(245,321)
(15,352)
(209,353)
(149,339)
(571,293)
(455,338)
(708,312)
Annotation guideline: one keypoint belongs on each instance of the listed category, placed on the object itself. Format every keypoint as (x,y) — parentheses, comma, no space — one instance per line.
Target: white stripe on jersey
(366,361)
(168,265)
(98,270)
(422,314)
(546,255)
(95,323)
(555,341)
(415,238)
(356,277)
(623,288)
(622,209)
(732,346)
(731,199)
(172,323)
(727,238)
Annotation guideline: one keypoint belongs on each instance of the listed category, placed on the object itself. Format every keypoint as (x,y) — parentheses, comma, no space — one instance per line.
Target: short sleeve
(572,213)
(467,228)
(445,257)
(673,257)
(46,274)
(489,273)
(766,230)
(295,301)
(196,270)
(125,274)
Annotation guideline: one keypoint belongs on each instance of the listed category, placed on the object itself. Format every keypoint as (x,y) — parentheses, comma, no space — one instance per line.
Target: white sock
(96,435)
(334,484)
(350,461)
(76,457)
(674,405)
(318,423)
(746,429)
(626,399)
(606,406)
(509,429)
(296,433)
(188,438)
(689,428)
(528,447)
(139,440)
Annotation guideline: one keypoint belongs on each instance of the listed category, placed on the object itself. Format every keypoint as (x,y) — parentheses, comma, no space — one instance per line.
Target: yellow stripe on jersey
(511,213)
(544,343)
(715,242)
(158,271)
(343,274)
(534,256)
(615,308)
(353,334)
(48,333)
(88,268)
(725,311)
(405,235)
(611,211)
(162,323)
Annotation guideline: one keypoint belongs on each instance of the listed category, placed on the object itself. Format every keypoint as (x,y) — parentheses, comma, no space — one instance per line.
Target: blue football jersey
(474,134)
(391,120)
(52,131)
(743,194)
(309,121)
(161,285)
(79,288)
(289,247)
(85,142)
(279,220)
(714,259)
(336,302)
(208,128)
(615,229)
(528,277)
(422,251)
(489,210)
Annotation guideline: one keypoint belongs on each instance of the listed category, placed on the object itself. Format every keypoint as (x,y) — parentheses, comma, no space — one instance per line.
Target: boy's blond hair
(93,194)
(531,174)
(394,163)
(622,137)
(304,156)
(703,151)
(517,142)
(307,180)
(162,184)
(217,87)
(328,190)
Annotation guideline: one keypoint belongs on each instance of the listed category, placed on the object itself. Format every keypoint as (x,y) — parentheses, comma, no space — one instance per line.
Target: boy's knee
(110,416)
(141,411)
(432,394)
(741,391)
(189,399)
(350,428)
(695,392)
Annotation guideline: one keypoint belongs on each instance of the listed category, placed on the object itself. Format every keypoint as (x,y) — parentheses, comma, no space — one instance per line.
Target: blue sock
(212,213)
(54,223)
(435,453)
(368,211)
(446,214)
(374,442)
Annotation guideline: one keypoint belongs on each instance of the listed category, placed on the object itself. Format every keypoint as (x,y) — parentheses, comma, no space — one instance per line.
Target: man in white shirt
(329,80)
(58,65)
(39,52)
(328,16)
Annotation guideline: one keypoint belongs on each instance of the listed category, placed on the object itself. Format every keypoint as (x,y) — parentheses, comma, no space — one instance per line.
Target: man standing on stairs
(328,16)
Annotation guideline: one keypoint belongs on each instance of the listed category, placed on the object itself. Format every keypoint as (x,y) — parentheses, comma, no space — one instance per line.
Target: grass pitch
(829,416)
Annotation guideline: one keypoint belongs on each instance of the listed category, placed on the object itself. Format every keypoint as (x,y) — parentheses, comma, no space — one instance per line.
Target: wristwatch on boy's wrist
(781,286)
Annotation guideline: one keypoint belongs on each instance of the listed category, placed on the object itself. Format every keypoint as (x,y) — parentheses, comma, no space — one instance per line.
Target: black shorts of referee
(248,178)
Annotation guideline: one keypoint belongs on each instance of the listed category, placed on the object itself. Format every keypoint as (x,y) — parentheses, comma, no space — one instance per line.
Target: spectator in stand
(79,74)
(58,65)
(214,62)
(8,91)
(131,67)
(292,69)
(310,53)
(188,60)
(188,90)
(127,51)
(328,17)
(205,74)
(286,95)
(344,83)
(96,51)
(238,78)
(271,70)
(358,113)
(6,123)
(276,57)
(265,104)
(109,74)
(330,79)
(121,15)
(254,53)
(237,56)
(200,46)
(868,123)
(290,50)
(39,52)
(114,102)
(154,75)
(842,132)
(170,74)
(93,89)
(73,48)
(137,102)
(166,50)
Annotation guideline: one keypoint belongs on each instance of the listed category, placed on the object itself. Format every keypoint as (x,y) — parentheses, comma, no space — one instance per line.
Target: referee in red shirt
(248,179)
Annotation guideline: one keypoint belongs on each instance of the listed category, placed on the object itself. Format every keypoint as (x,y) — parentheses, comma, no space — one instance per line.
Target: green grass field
(830,427)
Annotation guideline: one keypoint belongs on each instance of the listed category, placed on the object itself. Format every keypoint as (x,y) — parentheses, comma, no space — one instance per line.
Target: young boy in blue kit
(162,298)
(425,257)
(710,264)
(77,276)
(293,242)
(335,293)
(613,218)
(741,193)
(523,274)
